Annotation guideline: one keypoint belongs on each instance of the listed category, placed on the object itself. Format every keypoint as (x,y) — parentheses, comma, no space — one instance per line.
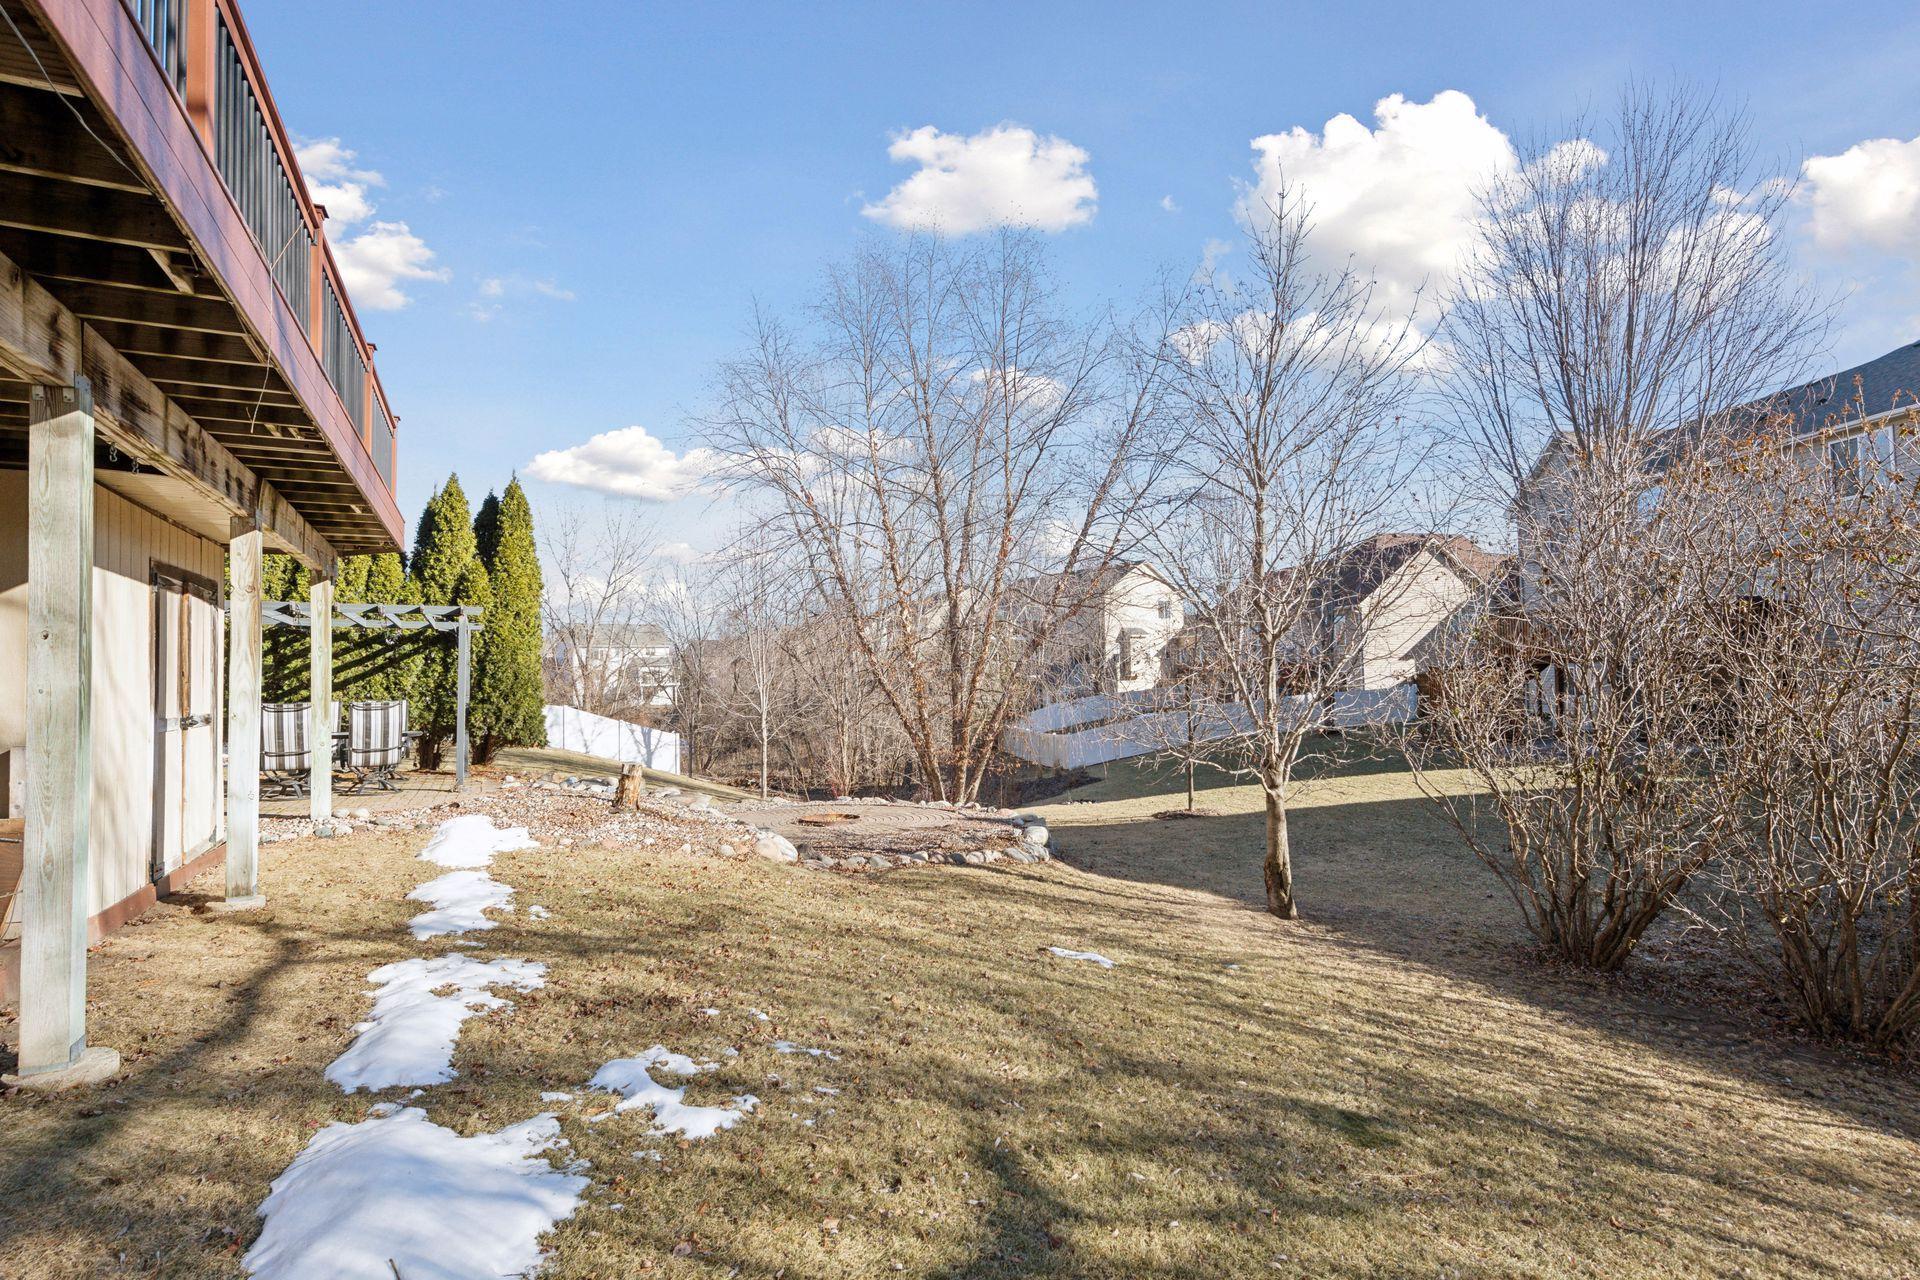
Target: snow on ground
(471,840)
(788,1046)
(632,1079)
(410,1037)
(1093,956)
(397,1194)
(460,901)
(537,912)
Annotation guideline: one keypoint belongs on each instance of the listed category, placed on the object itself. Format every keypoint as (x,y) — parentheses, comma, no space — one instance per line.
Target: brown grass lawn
(1387,1088)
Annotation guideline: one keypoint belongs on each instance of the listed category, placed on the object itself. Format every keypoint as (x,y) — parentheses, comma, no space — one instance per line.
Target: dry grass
(1386,1089)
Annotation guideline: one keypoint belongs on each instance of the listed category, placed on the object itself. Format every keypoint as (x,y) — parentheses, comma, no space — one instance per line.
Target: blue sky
(605,189)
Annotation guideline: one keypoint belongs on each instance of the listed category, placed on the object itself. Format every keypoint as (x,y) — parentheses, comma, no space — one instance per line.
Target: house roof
(1885,383)
(1093,581)
(1358,571)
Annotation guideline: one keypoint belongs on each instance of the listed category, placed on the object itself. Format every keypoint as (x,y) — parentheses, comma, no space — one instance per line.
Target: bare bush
(1817,770)
(1628,282)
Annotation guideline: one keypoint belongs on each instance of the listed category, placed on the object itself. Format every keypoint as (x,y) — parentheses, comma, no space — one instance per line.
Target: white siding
(128,542)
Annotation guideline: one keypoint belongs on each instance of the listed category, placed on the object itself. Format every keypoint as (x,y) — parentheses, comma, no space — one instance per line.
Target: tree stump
(632,786)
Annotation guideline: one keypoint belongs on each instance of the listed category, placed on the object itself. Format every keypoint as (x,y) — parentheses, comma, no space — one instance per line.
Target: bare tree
(1291,387)
(1630,275)
(957,464)
(1629,297)
(599,579)
(760,597)
(692,614)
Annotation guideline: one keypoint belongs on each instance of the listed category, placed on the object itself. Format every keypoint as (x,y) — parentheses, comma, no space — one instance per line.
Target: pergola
(399,622)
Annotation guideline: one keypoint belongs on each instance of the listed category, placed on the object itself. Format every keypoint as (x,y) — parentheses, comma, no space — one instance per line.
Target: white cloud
(492,292)
(1399,199)
(375,261)
(378,260)
(1868,196)
(681,553)
(630,463)
(1006,176)
(334,180)
(1168,204)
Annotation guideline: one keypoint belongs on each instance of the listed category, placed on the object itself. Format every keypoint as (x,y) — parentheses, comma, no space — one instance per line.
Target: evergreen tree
(442,543)
(439,570)
(486,527)
(283,650)
(508,695)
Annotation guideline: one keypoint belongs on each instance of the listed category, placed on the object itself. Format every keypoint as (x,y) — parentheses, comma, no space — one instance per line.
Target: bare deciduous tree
(600,575)
(1290,386)
(956,462)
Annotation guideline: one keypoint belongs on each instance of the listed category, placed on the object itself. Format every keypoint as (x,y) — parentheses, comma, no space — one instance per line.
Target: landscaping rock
(775,847)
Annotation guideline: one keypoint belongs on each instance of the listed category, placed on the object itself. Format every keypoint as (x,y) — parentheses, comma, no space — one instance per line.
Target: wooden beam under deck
(87,213)
(55,144)
(42,340)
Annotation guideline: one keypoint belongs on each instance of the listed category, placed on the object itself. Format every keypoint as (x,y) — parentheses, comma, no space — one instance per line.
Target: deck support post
(464,643)
(245,555)
(320,725)
(55,883)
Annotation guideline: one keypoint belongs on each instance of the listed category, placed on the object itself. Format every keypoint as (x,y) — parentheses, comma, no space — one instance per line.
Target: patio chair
(283,748)
(377,740)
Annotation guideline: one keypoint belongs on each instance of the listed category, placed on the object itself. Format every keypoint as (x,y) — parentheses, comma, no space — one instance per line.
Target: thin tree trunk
(1279,861)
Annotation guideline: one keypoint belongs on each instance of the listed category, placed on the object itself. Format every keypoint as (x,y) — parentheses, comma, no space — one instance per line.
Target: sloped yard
(1386,1089)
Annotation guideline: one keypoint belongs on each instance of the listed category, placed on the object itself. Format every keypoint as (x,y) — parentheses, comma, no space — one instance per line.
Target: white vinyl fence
(571,729)
(1047,736)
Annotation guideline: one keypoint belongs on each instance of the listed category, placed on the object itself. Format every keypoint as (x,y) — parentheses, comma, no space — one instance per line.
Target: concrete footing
(251,903)
(95,1064)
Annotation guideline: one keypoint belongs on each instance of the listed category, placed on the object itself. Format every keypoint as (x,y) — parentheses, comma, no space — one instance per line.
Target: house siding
(128,542)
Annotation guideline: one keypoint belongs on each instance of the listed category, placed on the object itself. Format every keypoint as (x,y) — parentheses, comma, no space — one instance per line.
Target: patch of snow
(460,901)
(1093,956)
(759,1016)
(711,1013)
(788,1046)
(556,1096)
(410,1036)
(471,840)
(397,1194)
(831,1093)
(537,912)
(631,1079)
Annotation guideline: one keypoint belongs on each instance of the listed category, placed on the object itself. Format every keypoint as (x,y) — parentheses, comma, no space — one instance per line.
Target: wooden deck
(417,791)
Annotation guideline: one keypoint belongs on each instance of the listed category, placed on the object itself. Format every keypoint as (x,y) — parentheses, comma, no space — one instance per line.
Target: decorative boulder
(1035,833)
(775,847)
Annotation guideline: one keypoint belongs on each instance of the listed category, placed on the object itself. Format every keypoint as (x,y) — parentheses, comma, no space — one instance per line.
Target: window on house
(1857,461)
(1166,610)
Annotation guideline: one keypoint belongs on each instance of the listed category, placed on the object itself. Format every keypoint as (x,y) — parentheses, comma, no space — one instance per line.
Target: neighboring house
(1378,600)
(1847,421)
(1117,641)
(614,667)
(183,387)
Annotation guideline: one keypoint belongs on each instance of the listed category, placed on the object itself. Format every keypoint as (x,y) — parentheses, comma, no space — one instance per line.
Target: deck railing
(203,50)
(250,163)
(340,357)
(164,23)
(381,443)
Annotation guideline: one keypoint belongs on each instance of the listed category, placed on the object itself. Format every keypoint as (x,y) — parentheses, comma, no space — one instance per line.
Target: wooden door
(186,732)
